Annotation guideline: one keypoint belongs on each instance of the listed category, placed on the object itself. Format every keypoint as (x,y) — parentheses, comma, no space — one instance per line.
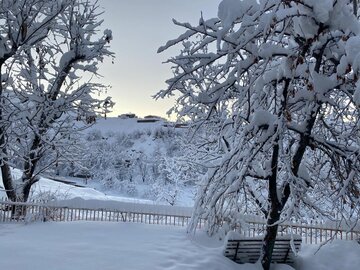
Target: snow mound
(336,255)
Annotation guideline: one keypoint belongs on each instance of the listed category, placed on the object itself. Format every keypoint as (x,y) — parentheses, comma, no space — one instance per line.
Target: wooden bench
(248,250)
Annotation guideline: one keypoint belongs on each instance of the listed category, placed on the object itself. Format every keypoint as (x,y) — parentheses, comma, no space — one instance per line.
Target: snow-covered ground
(131,246)
(87,197)
(337,255)
(47,188)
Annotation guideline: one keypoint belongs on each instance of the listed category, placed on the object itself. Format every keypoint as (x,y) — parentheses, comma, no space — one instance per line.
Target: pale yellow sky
(139,28)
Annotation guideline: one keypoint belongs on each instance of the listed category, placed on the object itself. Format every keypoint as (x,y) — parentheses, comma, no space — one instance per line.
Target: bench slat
(249,250)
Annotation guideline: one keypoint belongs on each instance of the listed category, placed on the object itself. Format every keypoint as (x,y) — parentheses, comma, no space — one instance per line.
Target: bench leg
(236,251)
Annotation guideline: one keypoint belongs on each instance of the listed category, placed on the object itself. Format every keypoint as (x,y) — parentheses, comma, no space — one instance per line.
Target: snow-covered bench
(248,250)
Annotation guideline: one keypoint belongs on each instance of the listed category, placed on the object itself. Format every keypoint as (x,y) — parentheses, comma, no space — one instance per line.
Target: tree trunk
(274,211)
(5,168)
(19,211)
(27,184)
(7,180)
(355,7)
(270,237)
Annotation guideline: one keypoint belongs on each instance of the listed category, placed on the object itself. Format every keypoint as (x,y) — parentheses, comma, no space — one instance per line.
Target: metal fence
(38,211)
(251,227)
(310,233)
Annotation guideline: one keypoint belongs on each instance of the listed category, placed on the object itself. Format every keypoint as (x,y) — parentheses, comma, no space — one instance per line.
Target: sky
(139,28)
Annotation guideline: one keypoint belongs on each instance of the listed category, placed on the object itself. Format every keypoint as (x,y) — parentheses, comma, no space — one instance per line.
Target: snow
(231,10)
(147,144)
(66,58)
(305,27)
(352,49)
(322,83)
(118,203)
(124,126)
(343,65)
(265,120)
(85,245)
(303,173)
(47,188)
(263,117)
(68,192)
(237,236)
(131,158)
(228,11)
(343,18)
(267,50)
(101,245)
(339,254)
(357,95)
(108,34)
(322,9)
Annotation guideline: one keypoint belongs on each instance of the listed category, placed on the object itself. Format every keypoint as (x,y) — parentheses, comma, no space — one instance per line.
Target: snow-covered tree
(278,81)
(49,88)
(24,24)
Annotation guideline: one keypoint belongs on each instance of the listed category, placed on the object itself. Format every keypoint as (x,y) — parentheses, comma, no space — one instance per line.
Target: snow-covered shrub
(93,135)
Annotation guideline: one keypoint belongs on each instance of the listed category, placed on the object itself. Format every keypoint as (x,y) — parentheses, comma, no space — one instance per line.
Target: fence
(33,211)
(252,227)
(310,233)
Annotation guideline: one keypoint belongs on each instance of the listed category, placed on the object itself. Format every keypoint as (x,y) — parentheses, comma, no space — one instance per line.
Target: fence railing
(33,211)
(310,233)
(42,211)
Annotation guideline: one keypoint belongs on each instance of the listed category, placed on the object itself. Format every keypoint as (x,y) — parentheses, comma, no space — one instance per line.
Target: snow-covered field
(47,188)
(101,245)
(65,192)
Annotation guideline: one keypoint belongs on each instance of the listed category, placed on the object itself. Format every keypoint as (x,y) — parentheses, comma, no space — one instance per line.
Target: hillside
(141,158)
(124,125)
(131,158)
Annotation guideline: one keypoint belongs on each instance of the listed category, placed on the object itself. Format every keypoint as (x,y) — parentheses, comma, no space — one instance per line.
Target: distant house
(151,119)
(127,116)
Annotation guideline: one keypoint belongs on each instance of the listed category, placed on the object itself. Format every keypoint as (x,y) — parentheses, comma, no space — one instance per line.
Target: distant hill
(124,125)
(136,157)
